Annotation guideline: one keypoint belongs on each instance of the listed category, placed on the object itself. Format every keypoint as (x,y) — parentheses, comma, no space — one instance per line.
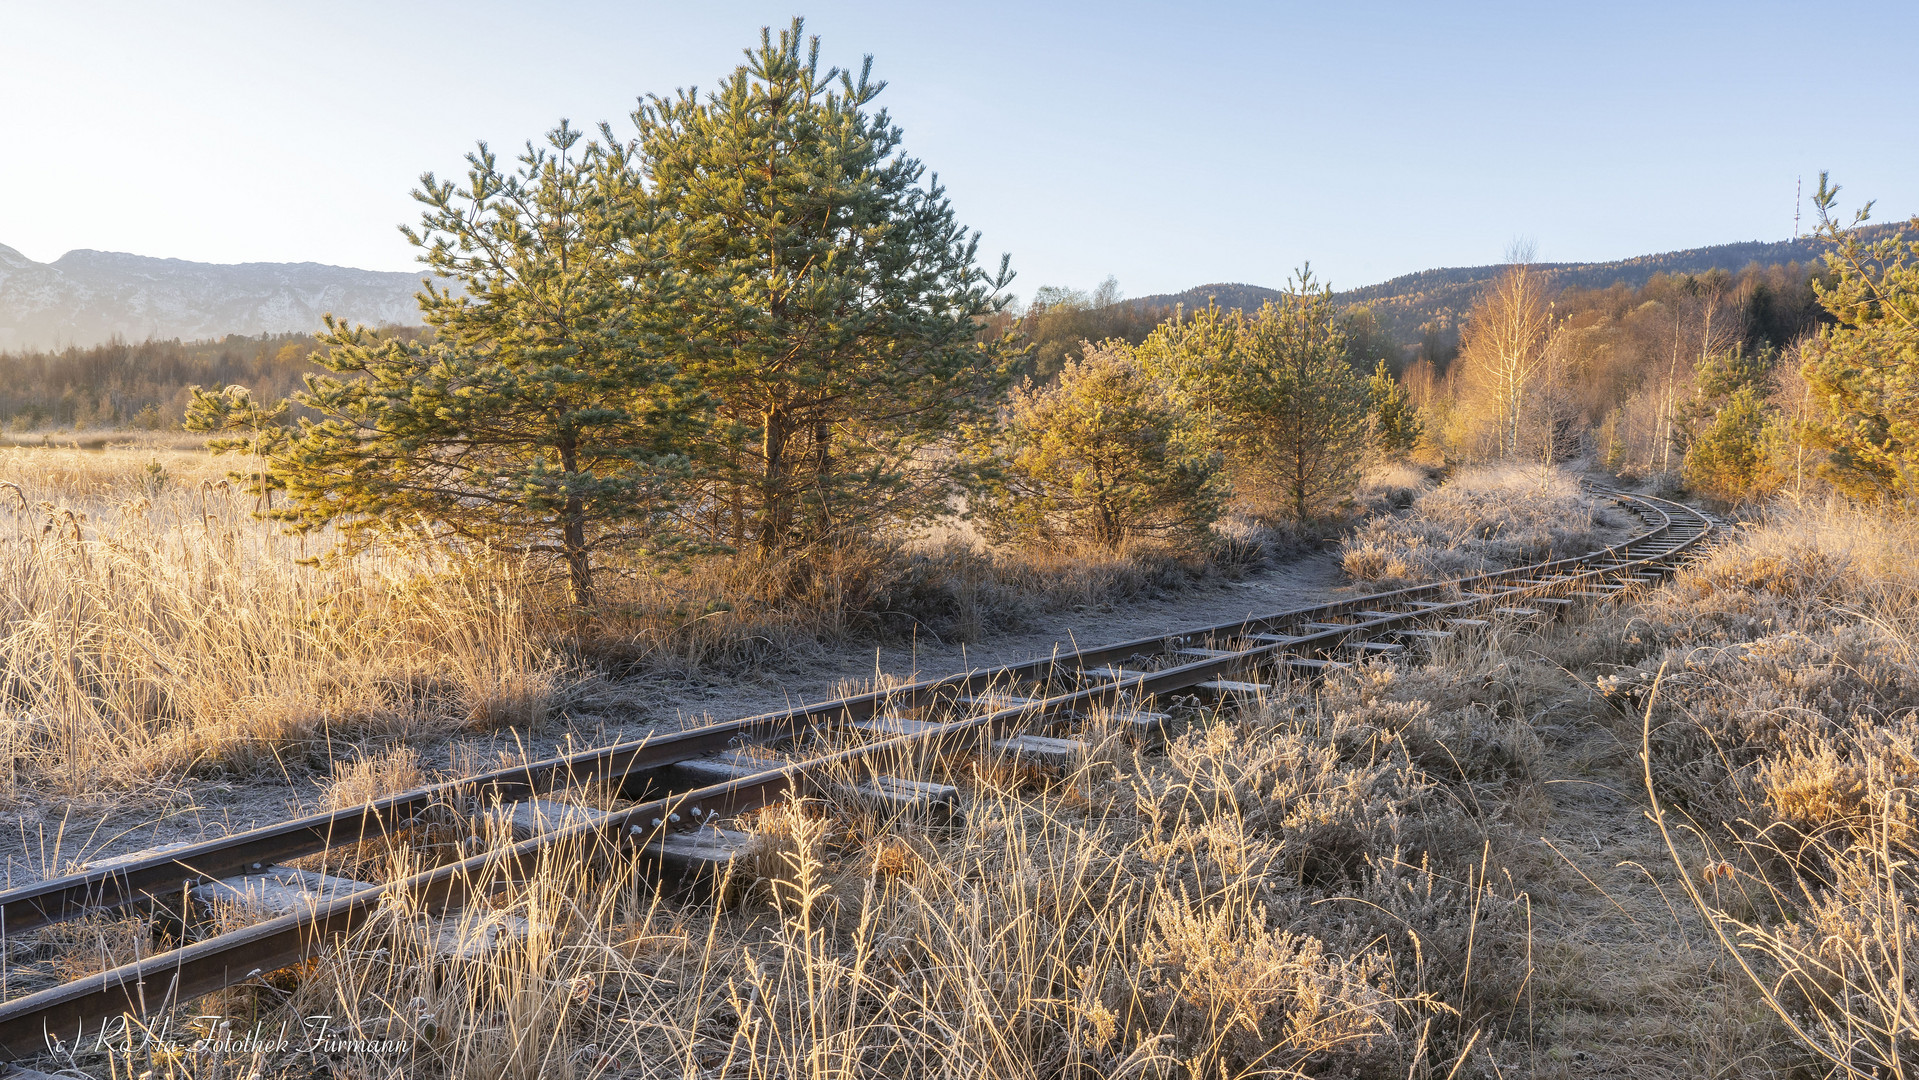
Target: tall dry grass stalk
(1786,725)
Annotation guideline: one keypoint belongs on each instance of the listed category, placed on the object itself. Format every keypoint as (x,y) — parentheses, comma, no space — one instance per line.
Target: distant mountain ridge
(87,297)
(1405,302)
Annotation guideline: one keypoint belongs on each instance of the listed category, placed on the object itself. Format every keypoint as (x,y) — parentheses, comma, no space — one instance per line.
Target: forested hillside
(1411,318)
(144,385)
(1408,302)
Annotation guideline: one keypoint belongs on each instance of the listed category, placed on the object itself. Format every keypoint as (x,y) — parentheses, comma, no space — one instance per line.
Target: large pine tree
(815,282)
(537,420)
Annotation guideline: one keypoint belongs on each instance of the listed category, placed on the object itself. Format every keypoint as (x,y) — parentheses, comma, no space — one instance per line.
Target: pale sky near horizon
(1167,145)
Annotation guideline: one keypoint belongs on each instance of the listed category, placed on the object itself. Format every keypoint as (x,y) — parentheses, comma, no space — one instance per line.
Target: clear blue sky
(1168,145)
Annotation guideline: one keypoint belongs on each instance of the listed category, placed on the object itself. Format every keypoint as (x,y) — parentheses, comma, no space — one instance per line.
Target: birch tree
(1505,346)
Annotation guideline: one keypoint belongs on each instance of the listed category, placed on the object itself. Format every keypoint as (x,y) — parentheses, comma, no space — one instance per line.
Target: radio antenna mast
(1798,188)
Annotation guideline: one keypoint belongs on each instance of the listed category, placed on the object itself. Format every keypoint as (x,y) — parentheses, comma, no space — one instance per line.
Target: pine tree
(536,420)
(1396,426)
(1276,391)
(1101,455)
(1196,357)
(241,425)
(1313,434)
(1865,368)
(818,289)
(1731,457)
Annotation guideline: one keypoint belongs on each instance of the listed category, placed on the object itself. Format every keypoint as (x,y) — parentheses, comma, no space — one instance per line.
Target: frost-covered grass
(1784,732)
(1480,520)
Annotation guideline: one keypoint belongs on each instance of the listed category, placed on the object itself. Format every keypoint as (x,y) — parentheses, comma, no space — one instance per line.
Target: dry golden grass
(727,614)
(1394,485)
(1486,518)
(1397,874)
(1784,739)
(374,777)
(1285,893)
(1331,882)
(149,627)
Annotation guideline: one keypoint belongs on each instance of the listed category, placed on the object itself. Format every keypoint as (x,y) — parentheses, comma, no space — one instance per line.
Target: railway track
(671,792)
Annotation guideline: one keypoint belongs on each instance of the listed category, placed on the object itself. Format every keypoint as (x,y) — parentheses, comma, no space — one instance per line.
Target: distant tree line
(142,385)
(1627,375)
(1058,322)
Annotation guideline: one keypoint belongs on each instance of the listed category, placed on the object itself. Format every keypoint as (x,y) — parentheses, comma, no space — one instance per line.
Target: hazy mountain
(86,297)
(1411,299)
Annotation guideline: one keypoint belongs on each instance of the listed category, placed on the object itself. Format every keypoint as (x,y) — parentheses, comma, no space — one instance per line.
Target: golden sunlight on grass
(153,628)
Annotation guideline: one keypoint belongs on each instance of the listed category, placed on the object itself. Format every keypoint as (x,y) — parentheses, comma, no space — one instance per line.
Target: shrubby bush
(1777,678)
(1102,456)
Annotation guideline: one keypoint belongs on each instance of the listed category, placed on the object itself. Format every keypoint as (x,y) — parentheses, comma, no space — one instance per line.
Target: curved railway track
(674,788)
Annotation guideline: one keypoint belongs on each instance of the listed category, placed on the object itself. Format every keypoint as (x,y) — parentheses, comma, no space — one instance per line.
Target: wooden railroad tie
(889,794)
(1272,639)
(1058,755)
(1374,648)
(1313,667)
(1225,689)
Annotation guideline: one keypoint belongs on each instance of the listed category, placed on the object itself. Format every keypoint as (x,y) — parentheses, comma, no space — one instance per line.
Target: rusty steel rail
(70,1013)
